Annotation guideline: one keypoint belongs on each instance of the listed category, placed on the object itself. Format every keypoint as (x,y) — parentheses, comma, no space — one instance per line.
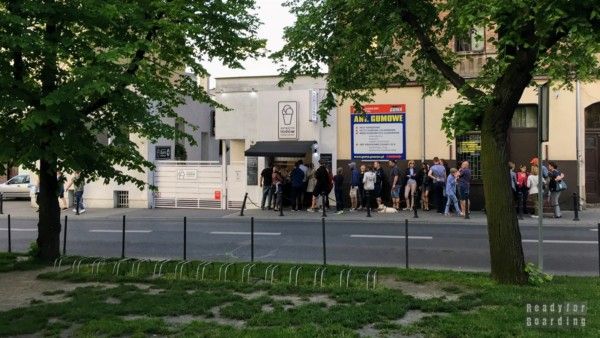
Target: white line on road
(245,233)
(559,241)
(593,229)
(20,229)
(120,231)
(389,236)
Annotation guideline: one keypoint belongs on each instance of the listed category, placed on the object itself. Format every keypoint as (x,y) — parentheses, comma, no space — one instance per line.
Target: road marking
(245,233)
(593,229)
(20,229)
(120,231)
(389,236)
(559,241)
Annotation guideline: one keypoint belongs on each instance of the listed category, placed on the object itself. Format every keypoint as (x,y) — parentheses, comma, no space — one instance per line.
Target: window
(468,148)
(473,42)
(525,117)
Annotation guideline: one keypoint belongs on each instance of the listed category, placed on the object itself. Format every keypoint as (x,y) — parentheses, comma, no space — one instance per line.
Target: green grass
(17,262)
(216,308)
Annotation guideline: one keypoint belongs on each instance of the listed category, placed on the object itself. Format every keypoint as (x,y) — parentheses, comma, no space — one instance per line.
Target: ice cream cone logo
(288,113)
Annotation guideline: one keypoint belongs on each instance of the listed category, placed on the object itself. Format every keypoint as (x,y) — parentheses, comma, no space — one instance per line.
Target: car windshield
(21,179)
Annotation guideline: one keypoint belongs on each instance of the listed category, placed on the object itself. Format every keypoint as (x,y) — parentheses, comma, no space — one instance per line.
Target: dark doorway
(592,153)
(522,136)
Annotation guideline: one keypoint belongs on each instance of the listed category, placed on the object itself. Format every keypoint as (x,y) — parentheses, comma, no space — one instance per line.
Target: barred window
(473,41)
(525,117)
(468,148)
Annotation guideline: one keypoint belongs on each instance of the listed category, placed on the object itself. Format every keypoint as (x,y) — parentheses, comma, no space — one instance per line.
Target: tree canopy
(73,70)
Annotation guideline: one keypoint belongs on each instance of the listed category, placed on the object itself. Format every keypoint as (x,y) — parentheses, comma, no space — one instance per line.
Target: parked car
(17,187)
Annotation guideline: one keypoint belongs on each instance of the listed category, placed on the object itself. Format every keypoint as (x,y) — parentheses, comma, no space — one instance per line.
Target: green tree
(73,70)
(368,44)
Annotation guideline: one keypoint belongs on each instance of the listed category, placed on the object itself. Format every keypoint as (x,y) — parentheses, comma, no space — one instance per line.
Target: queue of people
(446,189)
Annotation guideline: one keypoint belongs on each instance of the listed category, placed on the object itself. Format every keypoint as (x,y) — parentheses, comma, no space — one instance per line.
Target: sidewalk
(22,210)
(588,218)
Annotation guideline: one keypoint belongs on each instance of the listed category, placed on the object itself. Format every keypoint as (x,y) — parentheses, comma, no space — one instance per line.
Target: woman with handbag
(557,185)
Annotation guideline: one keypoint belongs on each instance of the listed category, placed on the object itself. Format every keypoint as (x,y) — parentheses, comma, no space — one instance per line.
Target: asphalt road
(567,249)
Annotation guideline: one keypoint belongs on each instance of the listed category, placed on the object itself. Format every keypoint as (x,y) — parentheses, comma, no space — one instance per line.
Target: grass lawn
(402,303)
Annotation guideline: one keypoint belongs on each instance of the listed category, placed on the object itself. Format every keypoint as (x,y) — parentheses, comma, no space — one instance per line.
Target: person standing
(266,182)
(304,169)
(424,184)
(338,182)
(378,185)
(297,181)
(437,173)
(410,177)
(62,201)
(361,187)
(277,186)
(532,184)
(310,186)
(556,178)
(464,186)
(321,186)
(78,183)
(522,190)
(396,184)
(354,184)
(369,184)
(451,193)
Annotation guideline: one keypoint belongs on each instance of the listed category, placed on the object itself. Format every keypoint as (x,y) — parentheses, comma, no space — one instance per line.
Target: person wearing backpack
(521,185)
(556,185)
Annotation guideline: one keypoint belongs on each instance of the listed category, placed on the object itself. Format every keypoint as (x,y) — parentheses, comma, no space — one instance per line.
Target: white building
(267,121)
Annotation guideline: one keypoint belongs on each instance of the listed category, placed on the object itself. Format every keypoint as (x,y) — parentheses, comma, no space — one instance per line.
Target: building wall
(253,117)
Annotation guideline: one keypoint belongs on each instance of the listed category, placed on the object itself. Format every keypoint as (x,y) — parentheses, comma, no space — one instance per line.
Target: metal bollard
(1,203)
(324,242)
(406,242)
(65,237)
(123,240)
(184,238)
(416,214)
(575,207)
(280,201)
(467,210)
(324,201)
(9,238)
(598,248)
(243,204)
(251,239)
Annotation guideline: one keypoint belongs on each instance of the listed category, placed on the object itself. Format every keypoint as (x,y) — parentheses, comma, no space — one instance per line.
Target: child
(451,193)
(338,182)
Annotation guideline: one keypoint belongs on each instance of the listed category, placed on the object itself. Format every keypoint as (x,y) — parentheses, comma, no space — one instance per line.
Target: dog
(388,210)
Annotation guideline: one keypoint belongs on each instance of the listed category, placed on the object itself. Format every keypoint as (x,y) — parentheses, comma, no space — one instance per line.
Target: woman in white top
(369,179)
(532,184)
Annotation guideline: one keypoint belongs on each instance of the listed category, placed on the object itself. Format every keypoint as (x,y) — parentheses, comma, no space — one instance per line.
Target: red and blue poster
(379,133)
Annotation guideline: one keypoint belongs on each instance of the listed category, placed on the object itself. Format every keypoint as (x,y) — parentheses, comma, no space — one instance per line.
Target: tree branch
(132,68)
(433,54)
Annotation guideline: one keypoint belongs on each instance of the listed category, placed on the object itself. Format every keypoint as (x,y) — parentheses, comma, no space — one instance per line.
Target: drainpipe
(423,127)
(577,130)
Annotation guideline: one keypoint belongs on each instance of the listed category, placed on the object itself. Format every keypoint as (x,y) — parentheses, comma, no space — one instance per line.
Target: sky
(274,18)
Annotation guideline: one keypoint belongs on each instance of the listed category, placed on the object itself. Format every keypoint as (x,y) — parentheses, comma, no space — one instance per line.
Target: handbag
(561,185)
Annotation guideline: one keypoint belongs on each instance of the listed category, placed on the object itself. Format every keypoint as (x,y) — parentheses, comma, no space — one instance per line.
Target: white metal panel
(188,184)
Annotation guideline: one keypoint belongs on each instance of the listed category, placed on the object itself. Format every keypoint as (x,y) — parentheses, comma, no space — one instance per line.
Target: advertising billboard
(379,133)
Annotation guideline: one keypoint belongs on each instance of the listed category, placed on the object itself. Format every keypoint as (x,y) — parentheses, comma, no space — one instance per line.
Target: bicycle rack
(247,266)
(59,261)
(249,272)
(99,263)
(204,267)
(322,270)
(347,271)
(139,263)
(201,264)
(225,274)
(79,264)
(177,268)
(156,266)
(181,269)
(161,267)
(271,268)
(374,276)
(292,269)
(118,265)
(267,271)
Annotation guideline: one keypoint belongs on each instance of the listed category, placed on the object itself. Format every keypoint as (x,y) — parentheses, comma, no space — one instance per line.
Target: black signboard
(328,158)
(162,153)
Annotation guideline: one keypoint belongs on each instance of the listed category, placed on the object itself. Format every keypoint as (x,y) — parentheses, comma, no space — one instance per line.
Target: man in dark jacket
(297,180)
(322,177)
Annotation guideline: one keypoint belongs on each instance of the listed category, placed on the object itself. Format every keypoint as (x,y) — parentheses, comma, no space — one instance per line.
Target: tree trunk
(48,240)
(506,250)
